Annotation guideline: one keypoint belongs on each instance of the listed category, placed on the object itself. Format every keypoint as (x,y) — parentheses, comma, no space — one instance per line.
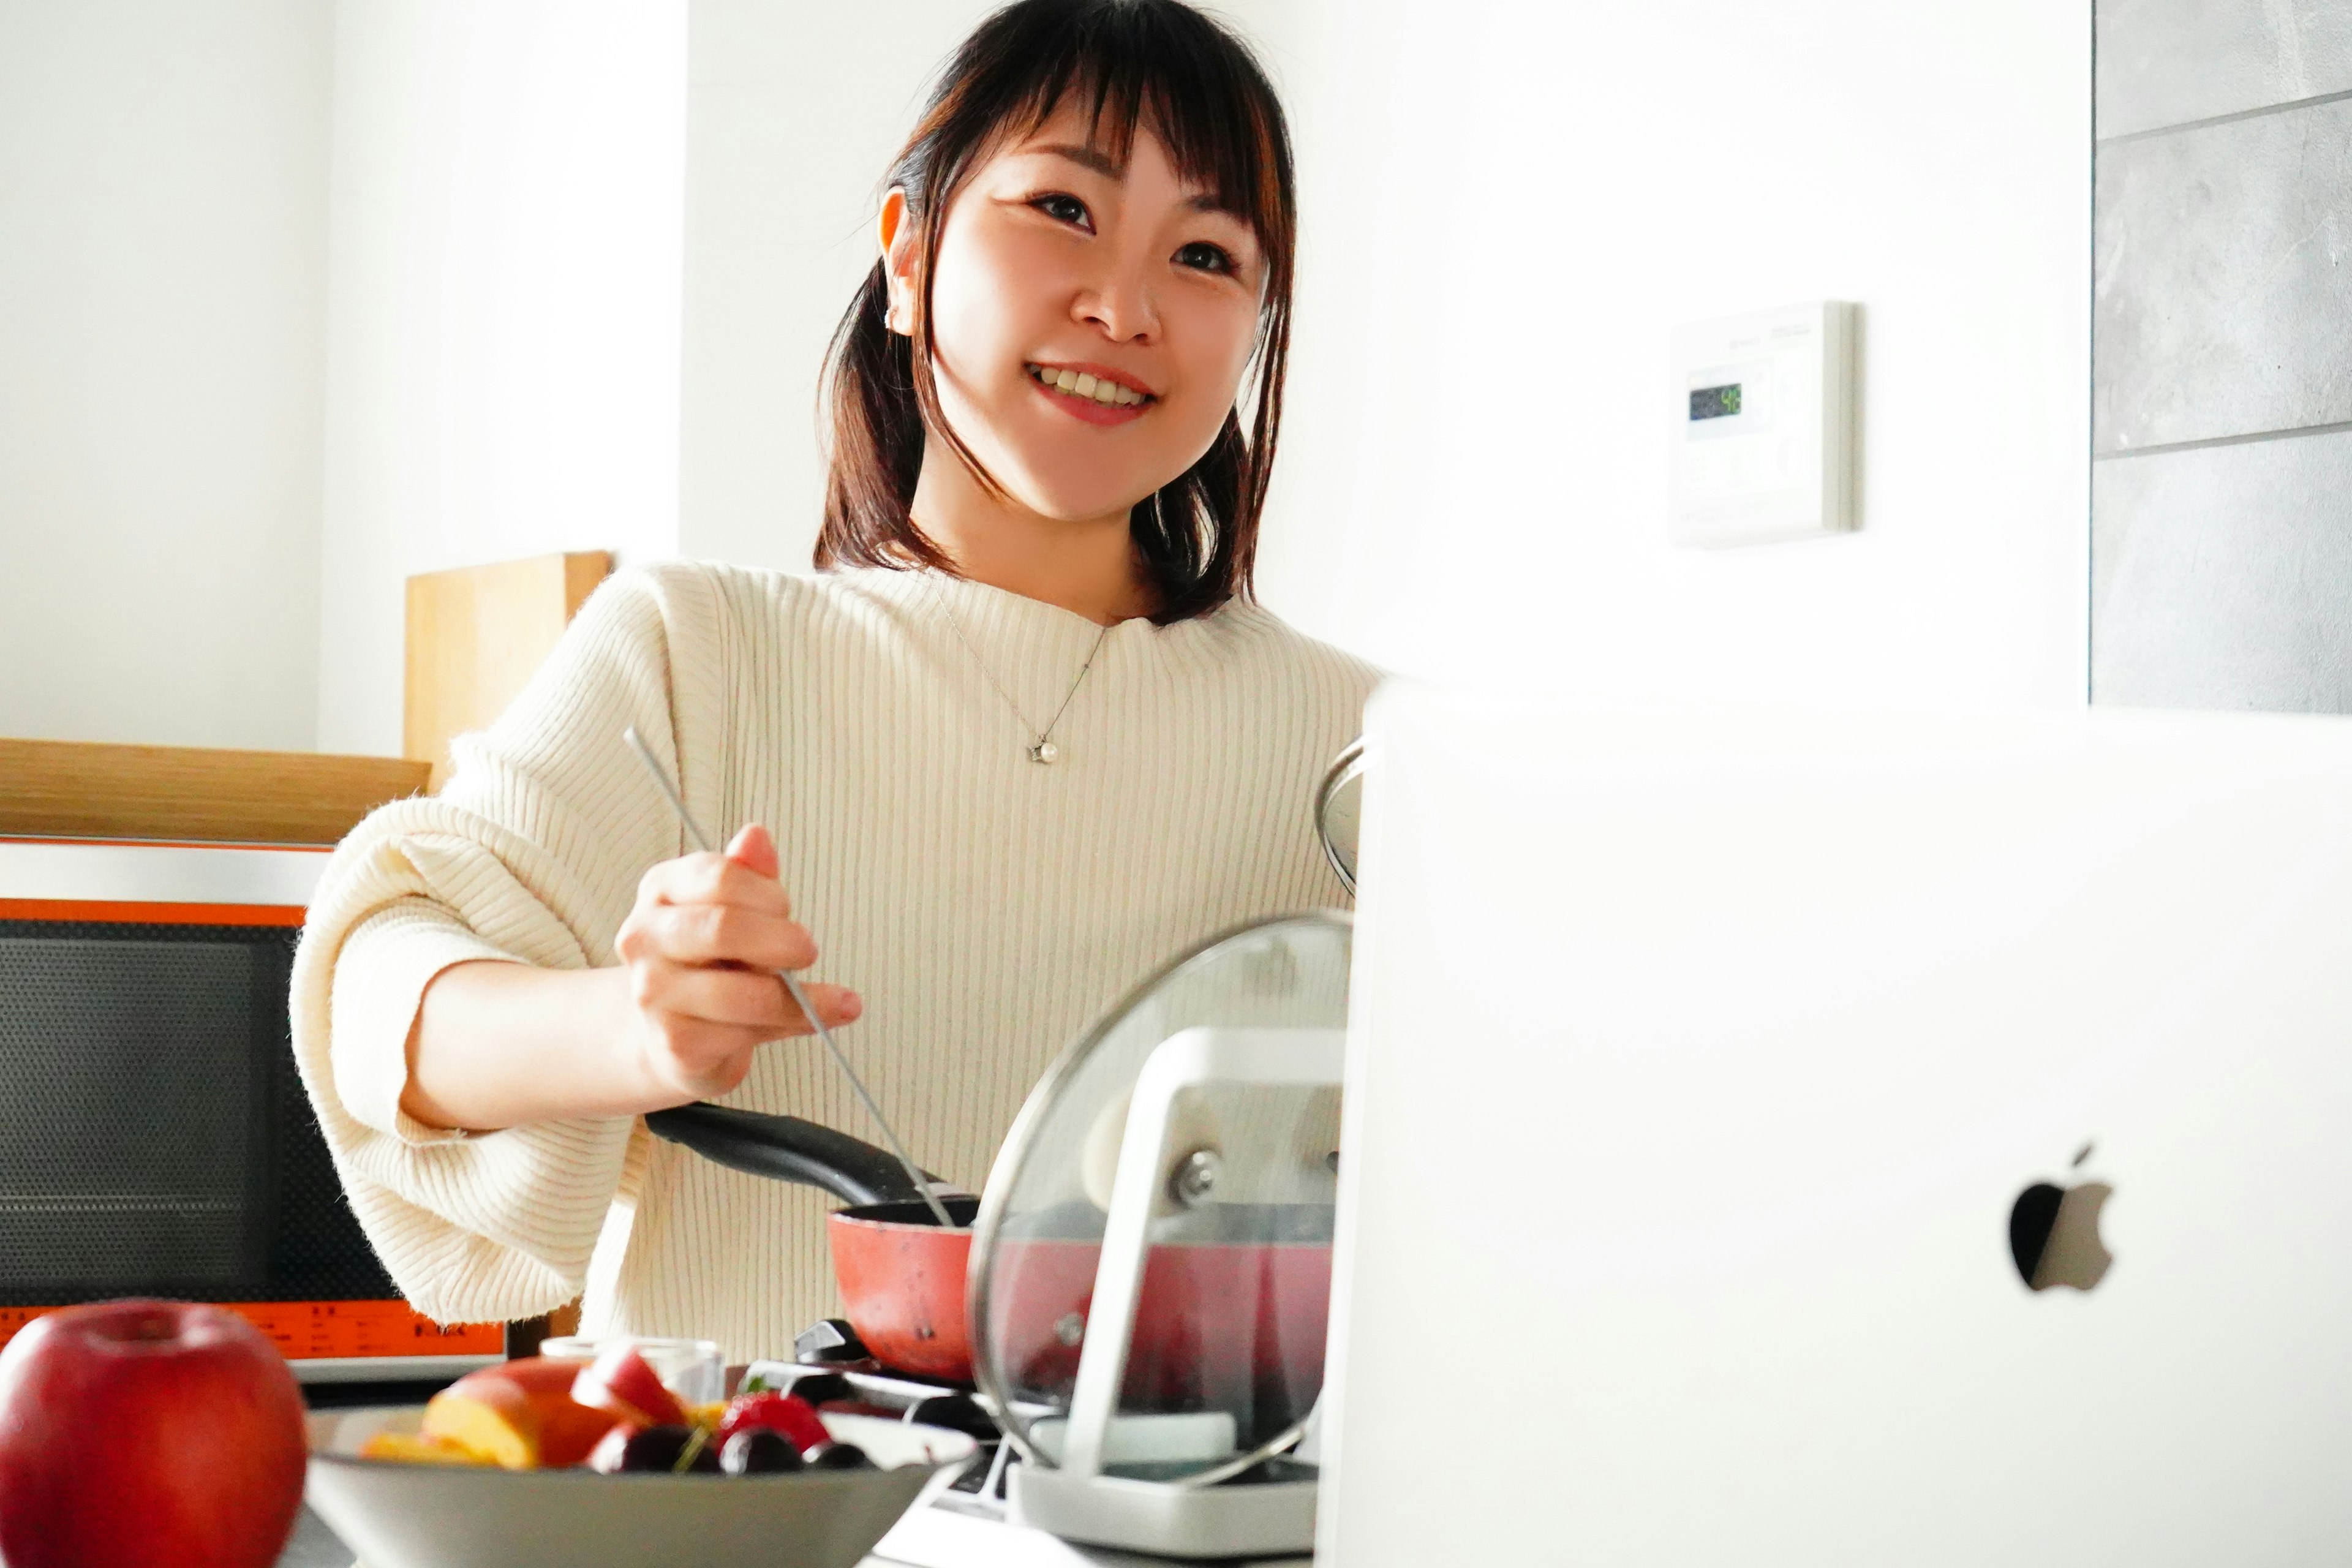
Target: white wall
(792,114)
(1525,200)
(795,112)
(162,219)
(503,340)
(1508,207)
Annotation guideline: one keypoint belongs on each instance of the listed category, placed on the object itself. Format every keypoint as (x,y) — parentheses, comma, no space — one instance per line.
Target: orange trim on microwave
(127,912)
(311,1330)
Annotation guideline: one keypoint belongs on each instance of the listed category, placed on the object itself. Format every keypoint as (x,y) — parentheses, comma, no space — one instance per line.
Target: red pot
(1230,1325)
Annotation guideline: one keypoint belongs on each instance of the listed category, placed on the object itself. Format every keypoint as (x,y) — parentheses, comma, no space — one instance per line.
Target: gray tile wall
(2224,299)
(2166,62)
(2221,489)
(2219,579)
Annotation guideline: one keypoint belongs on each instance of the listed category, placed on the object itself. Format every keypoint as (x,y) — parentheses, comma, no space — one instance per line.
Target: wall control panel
(1763,412)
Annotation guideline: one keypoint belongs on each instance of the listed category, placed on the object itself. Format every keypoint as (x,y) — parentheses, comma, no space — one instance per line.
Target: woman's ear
(897,237)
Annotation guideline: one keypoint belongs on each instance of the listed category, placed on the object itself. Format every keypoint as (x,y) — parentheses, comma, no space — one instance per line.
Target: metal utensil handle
(793,987)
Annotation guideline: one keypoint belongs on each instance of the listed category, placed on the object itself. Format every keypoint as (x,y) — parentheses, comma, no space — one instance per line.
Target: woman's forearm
(495,1045)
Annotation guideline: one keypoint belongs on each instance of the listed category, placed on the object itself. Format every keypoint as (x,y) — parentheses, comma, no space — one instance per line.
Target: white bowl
(397,1515)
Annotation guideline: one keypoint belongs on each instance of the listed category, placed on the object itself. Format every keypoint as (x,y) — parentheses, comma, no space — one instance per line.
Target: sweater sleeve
(530,855)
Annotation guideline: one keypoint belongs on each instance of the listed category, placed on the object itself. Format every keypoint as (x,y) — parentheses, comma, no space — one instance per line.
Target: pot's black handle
(787,1148)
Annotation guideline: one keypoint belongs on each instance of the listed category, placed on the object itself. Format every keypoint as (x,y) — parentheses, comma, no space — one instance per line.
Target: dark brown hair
(1129,61)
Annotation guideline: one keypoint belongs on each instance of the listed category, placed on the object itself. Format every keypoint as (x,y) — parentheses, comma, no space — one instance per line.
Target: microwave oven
(154,1137)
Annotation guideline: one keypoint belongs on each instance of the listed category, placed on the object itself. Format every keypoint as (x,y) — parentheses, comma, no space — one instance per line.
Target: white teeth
(1079,383)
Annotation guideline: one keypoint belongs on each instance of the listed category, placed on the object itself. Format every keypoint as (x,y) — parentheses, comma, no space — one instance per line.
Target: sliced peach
(492,1417)
(520,1414)
(415,1449)
(567,1430)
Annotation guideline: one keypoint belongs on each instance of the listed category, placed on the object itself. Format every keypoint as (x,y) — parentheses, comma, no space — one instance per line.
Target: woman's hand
(498,1044)
(702,949)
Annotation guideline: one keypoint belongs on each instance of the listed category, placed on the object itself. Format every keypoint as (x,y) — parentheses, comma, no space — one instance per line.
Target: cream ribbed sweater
(986,908)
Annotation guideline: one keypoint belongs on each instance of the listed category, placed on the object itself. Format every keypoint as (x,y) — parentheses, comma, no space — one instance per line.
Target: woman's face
(1092,322)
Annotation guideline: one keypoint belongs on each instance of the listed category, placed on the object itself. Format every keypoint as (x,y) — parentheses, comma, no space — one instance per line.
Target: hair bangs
(1134,65)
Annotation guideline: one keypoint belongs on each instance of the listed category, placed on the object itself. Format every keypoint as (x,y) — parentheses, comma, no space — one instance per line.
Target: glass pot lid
(1223,1161)
(1339,810)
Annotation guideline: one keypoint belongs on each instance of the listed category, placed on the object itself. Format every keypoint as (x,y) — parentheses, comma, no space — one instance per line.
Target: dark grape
(659,1448)
(758,1452)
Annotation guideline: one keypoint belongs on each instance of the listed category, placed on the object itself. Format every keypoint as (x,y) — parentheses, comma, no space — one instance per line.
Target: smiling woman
(1095,220)
(1023,735)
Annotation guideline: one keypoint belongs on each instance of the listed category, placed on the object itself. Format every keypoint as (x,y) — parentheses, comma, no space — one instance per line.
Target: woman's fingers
(703,947)
(698,994)
(754,851)
(718,933)
(714,1061)
(699,1055)
(714,879)
(835,1005)
(747,999)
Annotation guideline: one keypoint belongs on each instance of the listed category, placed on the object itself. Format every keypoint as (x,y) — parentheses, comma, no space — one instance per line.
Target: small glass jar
(692,1369)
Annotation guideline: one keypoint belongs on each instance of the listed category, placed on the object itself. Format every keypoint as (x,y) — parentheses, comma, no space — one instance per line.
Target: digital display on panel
(1714,402)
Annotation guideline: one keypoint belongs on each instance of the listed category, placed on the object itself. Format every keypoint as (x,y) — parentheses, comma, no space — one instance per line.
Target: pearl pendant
(1044,752)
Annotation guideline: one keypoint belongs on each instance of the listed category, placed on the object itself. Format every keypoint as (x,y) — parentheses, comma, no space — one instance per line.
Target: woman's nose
(1120,304)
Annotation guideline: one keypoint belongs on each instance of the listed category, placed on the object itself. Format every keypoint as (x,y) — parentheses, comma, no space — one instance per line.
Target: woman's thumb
(754,850)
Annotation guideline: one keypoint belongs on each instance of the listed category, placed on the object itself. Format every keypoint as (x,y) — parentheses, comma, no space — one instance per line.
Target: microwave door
(136,1111)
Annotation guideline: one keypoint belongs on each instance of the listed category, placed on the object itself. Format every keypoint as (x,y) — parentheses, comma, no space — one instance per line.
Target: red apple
(159,1433)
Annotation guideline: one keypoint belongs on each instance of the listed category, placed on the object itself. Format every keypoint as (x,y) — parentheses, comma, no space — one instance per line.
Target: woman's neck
(1087,568)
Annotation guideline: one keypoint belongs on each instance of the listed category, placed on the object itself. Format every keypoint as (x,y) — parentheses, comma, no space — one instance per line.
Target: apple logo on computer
(2053,1233)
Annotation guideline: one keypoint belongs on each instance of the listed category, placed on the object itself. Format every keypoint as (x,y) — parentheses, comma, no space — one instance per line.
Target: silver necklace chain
(1042,750)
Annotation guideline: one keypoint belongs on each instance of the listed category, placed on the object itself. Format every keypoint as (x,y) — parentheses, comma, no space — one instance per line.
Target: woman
(1024,737)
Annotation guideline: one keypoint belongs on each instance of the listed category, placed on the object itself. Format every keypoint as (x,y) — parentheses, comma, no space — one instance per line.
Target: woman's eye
(1063,209)
(1206,257)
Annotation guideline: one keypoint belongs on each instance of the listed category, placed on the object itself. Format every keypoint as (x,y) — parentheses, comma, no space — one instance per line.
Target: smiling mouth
(1079,383)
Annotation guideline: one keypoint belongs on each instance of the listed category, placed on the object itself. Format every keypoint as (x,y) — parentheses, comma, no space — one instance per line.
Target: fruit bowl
(396,1515)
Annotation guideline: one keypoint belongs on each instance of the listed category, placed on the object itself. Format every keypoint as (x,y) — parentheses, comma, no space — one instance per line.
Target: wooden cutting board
(475,637)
